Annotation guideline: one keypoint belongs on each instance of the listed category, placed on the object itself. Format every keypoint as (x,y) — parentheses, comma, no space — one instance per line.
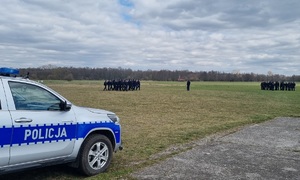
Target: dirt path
(269,150)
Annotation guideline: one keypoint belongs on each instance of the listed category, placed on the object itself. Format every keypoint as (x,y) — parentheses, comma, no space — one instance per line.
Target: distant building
(180,79)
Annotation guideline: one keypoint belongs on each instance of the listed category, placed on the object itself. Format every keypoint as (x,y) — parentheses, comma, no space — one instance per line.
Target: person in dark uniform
(293,86)
(276,85)
(109,84)
(105,84)
(282,86)
(138,85)
(271,85)
(188,84)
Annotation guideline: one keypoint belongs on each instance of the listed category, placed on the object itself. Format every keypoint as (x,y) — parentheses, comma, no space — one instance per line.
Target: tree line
(86,73)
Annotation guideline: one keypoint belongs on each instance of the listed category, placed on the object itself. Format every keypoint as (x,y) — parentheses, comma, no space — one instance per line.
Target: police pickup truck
(39,127)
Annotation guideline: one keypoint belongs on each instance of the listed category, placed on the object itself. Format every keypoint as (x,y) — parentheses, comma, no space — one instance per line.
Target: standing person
(109,85)
(138,85)
(188,84)
(105,84)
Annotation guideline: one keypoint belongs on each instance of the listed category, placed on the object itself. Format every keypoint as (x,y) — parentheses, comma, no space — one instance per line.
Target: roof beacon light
(4,71)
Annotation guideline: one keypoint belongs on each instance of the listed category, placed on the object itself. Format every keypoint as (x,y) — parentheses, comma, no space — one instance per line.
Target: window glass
(31,97)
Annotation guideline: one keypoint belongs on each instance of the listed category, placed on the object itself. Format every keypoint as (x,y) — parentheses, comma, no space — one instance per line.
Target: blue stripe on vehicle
(84,128)
(49,133)
(5,136)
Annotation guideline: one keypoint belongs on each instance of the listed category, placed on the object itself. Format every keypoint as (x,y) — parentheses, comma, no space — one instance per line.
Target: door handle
(23,120)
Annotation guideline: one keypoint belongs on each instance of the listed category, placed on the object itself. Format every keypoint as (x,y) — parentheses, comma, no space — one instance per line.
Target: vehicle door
(5,129)
(42,129)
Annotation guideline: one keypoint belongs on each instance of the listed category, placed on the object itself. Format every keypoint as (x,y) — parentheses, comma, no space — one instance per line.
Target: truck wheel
(95,155)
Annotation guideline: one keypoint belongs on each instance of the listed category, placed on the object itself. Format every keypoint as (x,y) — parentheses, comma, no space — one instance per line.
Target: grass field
(164,114)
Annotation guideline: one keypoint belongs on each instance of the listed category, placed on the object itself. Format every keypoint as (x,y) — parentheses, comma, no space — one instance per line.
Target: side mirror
(64,106)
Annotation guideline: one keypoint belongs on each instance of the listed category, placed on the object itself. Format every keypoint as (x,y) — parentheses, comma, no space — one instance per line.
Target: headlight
(114,118)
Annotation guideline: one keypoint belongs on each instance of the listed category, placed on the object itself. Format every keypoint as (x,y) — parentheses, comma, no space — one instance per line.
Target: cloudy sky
(258,36)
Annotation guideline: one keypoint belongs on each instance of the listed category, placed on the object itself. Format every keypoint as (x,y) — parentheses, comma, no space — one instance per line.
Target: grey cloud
(192,35)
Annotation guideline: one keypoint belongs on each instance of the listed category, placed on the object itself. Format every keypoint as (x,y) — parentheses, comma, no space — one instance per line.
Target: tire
(95,155)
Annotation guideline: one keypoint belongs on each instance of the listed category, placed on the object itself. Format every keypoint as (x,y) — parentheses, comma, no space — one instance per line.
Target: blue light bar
(8,71)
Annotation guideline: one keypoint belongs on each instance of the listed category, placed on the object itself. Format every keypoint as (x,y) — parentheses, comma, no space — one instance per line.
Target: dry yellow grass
(164,113)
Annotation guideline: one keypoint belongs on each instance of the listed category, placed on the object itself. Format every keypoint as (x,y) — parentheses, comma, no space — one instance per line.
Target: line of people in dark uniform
(122,85)
(282,86)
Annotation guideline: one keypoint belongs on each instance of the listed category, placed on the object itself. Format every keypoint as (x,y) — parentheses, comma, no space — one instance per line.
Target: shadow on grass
(62,172)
